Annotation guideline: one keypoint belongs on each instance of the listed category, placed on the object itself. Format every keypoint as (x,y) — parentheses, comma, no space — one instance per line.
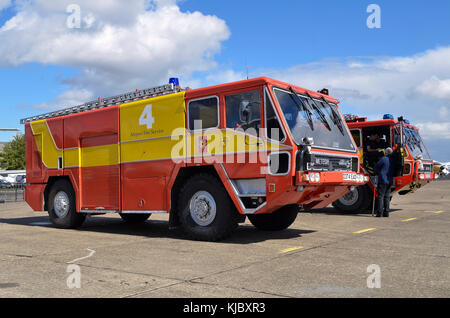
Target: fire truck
(414,167)
(209,157)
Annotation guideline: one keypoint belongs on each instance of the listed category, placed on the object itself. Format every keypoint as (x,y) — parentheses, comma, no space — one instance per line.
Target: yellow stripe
(45,144)
(364,231)
(408,220)
(287,250)
(439,212)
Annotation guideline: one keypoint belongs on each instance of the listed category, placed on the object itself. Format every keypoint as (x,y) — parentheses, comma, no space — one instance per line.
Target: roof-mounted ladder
(110,101)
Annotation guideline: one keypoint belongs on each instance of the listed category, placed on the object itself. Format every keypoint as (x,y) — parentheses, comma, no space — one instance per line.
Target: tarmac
(323,254)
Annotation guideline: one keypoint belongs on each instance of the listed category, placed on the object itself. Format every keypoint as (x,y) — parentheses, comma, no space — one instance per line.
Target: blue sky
(313,44)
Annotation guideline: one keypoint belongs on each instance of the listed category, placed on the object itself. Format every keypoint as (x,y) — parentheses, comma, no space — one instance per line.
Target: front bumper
(428,176)
(304,178)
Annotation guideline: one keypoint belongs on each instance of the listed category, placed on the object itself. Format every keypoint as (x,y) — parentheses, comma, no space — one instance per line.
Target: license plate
(349,177)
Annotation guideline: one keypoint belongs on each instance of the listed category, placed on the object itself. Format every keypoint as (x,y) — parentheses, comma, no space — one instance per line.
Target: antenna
(246,66)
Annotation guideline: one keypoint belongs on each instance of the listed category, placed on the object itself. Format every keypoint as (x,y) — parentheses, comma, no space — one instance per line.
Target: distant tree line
(12,157)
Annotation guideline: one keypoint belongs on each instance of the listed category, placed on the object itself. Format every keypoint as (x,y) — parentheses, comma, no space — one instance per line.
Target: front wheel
(206,212)
(277,221)
(357,200)
(62,208)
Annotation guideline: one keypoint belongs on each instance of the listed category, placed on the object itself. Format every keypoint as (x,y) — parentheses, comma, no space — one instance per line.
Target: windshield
(314,118)
(415,143)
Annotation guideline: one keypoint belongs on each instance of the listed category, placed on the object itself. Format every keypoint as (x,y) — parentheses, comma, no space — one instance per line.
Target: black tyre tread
(73,219)
(362,205)
(134,218)
(277,221)
(226,218)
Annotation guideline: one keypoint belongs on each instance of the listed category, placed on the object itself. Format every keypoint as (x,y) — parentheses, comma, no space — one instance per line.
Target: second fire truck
(413,169)
(210,157)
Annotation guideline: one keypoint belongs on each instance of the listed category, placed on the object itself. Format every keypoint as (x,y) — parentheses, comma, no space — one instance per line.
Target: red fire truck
(414,166)
(210,157)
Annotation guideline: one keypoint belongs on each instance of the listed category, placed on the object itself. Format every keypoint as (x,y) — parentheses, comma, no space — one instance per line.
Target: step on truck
(209,157)
(414,167)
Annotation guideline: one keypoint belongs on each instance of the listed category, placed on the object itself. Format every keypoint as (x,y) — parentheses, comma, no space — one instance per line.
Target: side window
(273,126)
(203,113)
(357,137)
(244,111)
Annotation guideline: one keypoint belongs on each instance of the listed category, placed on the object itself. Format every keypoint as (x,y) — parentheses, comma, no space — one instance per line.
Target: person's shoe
(386,215)
(378,215)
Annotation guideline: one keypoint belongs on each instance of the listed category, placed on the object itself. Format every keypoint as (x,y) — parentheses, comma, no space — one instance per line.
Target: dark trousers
(384,199)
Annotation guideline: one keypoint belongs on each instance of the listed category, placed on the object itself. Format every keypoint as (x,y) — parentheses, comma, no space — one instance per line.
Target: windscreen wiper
(416,140)
(302,107)
(335,117)
(318,111)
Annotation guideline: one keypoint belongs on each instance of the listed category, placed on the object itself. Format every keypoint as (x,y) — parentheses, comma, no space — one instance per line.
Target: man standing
(385,171)
(375,146)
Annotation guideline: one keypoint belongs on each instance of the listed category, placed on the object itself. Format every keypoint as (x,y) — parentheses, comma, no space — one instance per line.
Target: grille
(427,167)
(329,163)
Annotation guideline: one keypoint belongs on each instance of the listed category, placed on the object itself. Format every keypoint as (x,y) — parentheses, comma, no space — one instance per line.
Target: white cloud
(436,87)
(417,86)
(435,130)
(4,4)
(121,45)
(68,98)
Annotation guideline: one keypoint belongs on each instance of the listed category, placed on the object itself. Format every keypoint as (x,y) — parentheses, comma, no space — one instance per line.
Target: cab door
(399,149)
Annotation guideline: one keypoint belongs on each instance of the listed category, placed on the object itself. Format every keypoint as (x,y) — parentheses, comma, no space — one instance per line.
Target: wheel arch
(184,174)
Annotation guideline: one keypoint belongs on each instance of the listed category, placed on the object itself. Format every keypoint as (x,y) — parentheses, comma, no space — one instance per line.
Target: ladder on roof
(110,101)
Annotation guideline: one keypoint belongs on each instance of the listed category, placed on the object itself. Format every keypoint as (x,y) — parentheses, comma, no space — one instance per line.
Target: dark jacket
(385,170)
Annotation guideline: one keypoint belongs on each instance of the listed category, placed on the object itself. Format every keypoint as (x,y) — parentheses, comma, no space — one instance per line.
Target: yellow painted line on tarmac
(364,231)
(409,220)
(439,212)
(291,249)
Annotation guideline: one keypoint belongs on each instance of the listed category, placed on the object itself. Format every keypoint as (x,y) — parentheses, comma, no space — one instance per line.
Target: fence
(11,192)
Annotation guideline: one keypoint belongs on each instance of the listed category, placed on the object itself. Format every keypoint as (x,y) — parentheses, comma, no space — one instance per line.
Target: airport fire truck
(209,157)
(414,166)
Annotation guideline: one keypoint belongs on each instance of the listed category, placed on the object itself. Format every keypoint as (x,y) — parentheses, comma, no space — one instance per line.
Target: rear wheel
(62,208)
(357,200)
(134,217)
(206,212)
(277,221)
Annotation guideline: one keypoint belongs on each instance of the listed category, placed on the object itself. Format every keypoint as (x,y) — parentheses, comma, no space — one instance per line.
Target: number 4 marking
(147,118)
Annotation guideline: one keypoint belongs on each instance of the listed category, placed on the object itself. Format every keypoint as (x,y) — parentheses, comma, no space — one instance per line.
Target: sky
(48,60)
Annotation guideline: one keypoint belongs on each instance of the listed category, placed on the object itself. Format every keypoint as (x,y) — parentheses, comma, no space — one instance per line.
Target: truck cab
(414,166)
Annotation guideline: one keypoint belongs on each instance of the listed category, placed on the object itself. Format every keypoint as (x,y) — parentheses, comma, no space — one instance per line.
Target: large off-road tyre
(276,221)
(205,210)
(134,218)
(356,201)
(62,207)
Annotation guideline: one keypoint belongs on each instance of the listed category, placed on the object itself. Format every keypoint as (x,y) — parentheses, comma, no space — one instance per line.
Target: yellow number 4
(147,118)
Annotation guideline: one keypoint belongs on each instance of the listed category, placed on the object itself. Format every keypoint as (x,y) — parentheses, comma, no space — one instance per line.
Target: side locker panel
(152,140)
(92,156)
(44,149)
(33,146)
